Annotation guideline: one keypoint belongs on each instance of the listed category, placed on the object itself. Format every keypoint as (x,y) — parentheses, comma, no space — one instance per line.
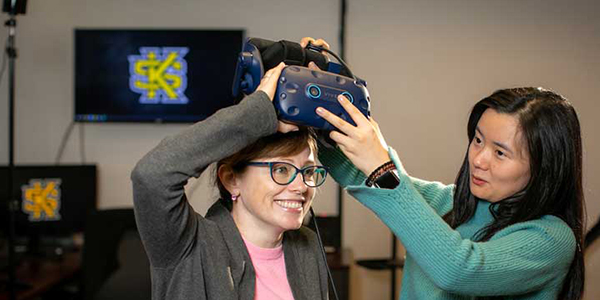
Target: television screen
(52,200)
(170,75)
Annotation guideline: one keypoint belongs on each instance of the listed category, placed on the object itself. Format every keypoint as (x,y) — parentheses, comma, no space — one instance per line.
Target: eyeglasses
(284,173)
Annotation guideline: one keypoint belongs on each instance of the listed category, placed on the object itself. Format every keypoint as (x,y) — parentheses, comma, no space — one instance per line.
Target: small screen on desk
(51,200)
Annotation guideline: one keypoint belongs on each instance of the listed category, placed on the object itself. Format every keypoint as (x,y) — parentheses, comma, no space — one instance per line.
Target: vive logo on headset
(41,199)
(330,96)
(159,74)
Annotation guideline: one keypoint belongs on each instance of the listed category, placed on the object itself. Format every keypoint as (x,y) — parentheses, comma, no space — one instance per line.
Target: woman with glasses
(251,243)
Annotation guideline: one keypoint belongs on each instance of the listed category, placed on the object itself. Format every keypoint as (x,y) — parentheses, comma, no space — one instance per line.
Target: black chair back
(115,265)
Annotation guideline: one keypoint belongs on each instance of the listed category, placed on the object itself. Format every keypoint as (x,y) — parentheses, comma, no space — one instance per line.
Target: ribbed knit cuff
(341,169)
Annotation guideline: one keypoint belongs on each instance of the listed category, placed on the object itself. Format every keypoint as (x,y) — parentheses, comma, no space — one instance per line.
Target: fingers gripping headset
(301,90)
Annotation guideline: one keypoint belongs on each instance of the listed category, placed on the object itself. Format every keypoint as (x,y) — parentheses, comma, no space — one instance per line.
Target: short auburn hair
(278,144)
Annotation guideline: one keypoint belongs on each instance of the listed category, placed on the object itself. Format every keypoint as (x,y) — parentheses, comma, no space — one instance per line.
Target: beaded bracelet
(380,171)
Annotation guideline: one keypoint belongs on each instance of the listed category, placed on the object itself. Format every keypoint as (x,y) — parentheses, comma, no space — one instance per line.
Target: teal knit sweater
(528,260)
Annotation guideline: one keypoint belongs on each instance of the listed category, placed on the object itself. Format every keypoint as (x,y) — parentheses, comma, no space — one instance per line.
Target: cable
(593,234)
(312,214)
(319,49)
(63,142)
(65,139)
(82,143)
(3,68)
(343,14)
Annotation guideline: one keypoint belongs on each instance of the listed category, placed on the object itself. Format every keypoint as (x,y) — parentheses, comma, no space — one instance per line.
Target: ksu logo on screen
(41,199)
(159,74)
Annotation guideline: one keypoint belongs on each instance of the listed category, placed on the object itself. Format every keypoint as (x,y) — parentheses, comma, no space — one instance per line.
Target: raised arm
(166,221)
(523,257)
(437,195)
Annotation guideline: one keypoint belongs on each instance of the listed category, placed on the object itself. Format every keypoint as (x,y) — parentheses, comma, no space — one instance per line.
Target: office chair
(115,265)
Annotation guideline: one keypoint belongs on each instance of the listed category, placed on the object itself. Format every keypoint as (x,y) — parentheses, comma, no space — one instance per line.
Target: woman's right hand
(268,84)
(363,144)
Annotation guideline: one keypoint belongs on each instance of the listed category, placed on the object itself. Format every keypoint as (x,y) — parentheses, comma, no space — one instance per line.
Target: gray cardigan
(193,257)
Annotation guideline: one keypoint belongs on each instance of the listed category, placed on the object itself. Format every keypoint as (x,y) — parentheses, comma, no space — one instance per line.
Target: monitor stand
(48,247)
(19,286)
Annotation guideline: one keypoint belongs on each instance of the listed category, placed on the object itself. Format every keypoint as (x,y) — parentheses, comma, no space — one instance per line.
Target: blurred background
(426,63)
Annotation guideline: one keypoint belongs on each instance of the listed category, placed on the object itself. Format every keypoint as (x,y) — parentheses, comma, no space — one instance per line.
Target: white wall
(427,62)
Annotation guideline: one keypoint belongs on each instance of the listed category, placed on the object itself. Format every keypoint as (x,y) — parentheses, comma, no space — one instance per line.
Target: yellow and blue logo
(159,74)
(41,199)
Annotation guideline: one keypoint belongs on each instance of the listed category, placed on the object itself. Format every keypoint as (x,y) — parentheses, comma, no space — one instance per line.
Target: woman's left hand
(363,144)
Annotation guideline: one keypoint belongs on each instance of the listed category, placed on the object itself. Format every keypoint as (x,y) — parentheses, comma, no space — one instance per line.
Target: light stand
(11,52)
(13,7)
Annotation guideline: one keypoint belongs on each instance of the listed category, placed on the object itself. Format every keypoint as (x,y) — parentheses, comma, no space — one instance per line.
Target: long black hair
(551,131)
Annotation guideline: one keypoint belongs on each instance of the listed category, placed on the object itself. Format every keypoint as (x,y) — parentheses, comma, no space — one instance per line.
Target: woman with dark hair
(511,225)
(251,243)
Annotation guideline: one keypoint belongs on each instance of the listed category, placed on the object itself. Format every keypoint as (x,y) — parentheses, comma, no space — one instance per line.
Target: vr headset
(300,90)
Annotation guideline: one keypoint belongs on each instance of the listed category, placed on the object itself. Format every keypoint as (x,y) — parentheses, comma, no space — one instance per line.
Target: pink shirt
(271,278)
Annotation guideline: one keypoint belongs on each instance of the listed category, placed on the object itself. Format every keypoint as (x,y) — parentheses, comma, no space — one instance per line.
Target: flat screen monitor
(52,200)
(153,75)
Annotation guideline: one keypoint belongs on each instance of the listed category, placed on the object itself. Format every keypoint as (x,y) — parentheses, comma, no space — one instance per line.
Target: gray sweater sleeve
(166,221)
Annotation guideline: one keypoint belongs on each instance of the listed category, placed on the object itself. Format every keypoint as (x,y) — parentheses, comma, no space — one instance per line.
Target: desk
(43,274)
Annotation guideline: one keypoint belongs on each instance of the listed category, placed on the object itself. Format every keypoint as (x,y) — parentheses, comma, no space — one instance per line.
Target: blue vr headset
(300,90)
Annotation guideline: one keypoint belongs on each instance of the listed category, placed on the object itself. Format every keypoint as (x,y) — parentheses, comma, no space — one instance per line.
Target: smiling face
(267,206)
(498,160)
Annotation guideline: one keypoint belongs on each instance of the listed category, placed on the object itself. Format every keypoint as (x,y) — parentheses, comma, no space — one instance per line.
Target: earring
(234,197)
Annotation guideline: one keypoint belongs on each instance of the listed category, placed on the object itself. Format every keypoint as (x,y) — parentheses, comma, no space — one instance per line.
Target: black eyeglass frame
(301,171)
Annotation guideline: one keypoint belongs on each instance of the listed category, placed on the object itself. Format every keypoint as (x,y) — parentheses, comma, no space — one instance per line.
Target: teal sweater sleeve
(521,258)
(436,194)
(340,168)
